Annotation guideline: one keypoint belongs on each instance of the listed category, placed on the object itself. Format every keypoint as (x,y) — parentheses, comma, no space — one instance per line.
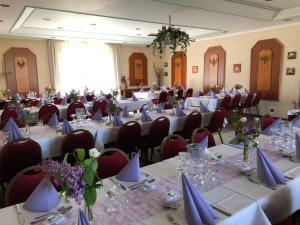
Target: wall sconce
(264,59)
(21,64)
(213,61)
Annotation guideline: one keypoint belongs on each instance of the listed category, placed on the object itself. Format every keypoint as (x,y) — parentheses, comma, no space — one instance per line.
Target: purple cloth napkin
(66,127)
(58,94)
(97,115)
(53,122)
(197,94)
(125,112)
(204,142)
(296,122)
(267,173)
(131,172)
(231,91)
(246,91)
(297,137)
(141,90)
(214,96)
(182,104)
(209,93)
(83,100)
(117,121)
(179,111)
(197,210)
(275,124)
(65,101)
(146,117)
(134,98)
(10,123)
(13,130)
(203,108)
(82,220)
(159,108)
(43,198)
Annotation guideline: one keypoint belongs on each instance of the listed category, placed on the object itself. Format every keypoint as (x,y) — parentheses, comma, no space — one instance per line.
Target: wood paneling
(266,57)
(178,69)
(21,68)
(214,67)
(138,69)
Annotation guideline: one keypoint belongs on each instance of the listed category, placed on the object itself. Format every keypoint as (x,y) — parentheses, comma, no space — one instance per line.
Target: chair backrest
(47,111)
(235,101)
(100,104)
(159,129)
(32,103)
(57,101)
(3,104)
(226,103)
(111,162)
(90,97)
(72,109)
(77,139)
(266,121)
(162,97)
(17,155)
(168,105)
(248,100)
(128,135)
(217,120)
(8,113)
(171,145)
(191,122)
(17,121)
(200,133)
(189,93)
(256,99)
(180,93)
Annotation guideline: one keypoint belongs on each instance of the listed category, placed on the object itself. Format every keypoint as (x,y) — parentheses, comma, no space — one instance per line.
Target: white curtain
(76,65)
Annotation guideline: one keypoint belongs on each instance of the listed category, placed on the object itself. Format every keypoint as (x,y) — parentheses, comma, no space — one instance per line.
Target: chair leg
(219,132)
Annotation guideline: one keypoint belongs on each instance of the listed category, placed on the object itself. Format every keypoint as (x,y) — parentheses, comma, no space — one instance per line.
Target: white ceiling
(131,21)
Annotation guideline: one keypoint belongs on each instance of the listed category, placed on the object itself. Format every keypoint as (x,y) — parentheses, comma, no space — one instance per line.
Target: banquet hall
(150,112)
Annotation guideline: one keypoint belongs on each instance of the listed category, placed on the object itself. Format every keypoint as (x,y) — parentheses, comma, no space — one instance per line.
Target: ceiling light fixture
(93,24)
(225,31)
(4,5)
(287,19)
(138,28)
(60,28)
(138,34)
(46,19)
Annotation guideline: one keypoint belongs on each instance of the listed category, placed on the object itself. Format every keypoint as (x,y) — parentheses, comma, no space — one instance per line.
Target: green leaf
(66,157)
(89,175)
(92,163)
(80,153)
(90,196)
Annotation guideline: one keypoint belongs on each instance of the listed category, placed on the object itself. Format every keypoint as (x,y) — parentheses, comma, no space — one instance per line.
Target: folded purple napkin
(13,130)
(146,117)
(131,172)
(197,94)
(10,123)
(83,100)
(134,98)
(117,121)
(204,142)
(209,93)
(275,124)
(182,104)
(65,101)
(66,127)
(267,173)
(197,210)
(141,90)
(151,90)
(125,112)
(159,108)
(97,115)
(179,111)
(231,91)
(82,220)
(297,137)
(53,122)
(203,108)
(43,198)
(296,122)
(214,96)
(58,94)
(246,91)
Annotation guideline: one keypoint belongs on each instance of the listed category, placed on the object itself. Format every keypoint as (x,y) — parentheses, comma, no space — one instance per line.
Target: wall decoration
(266,56)
(166,64)
(138,69)
(290,71)
(178,69)
(194,69)
(166,74)
(292,55)
(237,68)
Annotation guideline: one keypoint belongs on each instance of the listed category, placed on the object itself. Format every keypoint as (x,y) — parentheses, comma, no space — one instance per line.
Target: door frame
(183,68)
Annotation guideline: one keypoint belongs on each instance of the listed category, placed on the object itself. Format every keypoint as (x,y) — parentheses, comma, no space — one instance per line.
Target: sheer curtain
(76,65)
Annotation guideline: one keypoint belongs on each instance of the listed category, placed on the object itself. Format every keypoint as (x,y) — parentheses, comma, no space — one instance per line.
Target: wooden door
(21,70)
(178,69)
(138,69)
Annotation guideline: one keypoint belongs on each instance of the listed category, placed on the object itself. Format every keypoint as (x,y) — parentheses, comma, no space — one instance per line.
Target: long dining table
(247,203)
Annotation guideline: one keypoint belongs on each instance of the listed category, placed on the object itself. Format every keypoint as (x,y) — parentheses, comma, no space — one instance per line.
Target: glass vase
(88,211)
(245,163)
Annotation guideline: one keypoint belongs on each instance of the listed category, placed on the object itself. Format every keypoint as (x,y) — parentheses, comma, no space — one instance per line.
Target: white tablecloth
(293,112)
(147,95)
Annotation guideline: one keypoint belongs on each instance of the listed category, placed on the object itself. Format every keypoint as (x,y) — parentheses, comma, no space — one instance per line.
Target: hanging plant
(170,37)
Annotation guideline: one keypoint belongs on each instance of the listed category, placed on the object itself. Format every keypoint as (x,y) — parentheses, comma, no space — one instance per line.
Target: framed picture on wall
(290,71)
(194,69)
(237,68)
(292,55)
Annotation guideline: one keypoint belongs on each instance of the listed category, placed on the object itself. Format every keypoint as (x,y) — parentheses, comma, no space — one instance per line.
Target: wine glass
(111,192)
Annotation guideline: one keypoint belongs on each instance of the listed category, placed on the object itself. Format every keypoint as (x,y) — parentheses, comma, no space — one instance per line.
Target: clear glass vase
(245,163)
(88,211)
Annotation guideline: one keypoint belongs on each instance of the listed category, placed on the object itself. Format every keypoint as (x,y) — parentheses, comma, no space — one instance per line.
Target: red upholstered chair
(159,129)
(9,112)
(46,112)
(90,97)
(100,104)
(256,101)
(77,139)
(32,103)
(180,93)
(200,133)
(58,101)
(162,97)
(191,122)
(226,103)
(3,104)
(17,155)
(171,145)
(247,104)
(18,122)
(128,136)
(72,109)
(111,162)
(291,117)
(188,93)
(266,121)
(168,105)
(235,103)
(108,96)
(217,121)
(171,93)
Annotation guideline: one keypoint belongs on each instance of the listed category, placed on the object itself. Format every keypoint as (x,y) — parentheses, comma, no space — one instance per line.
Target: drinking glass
(111,192)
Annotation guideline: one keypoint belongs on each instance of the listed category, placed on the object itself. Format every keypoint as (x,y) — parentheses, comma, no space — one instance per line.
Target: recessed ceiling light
(137,28)
(287,19)
(4,5)
(138,34)
(46,19)
(225,31)
(52,37)
(268,0)
(60,28)
(93,24)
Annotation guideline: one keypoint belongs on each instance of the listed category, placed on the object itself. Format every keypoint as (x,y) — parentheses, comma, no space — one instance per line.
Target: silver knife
(20,216)
(117,183)
(66,209)
(221,210)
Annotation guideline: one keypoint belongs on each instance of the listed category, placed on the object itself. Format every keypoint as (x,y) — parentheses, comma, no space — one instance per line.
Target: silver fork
(171,219)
